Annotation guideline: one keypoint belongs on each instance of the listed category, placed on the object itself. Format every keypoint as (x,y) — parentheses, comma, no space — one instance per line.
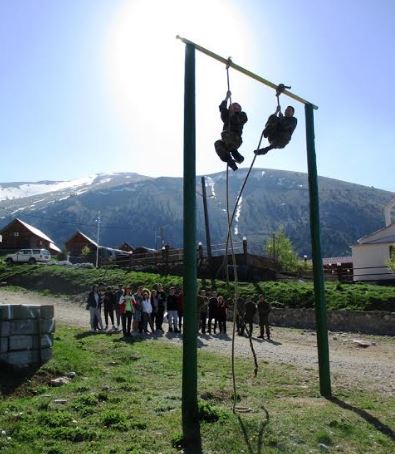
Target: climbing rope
(235,274)
(229,239)
(279,91)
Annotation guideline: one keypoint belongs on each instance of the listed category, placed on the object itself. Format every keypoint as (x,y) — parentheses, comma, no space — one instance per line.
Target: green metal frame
(190,417)
(191,431)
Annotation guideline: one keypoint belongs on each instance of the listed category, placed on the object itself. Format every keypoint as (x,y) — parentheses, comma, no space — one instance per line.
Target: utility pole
(98,239)
(162,239)
(207,227)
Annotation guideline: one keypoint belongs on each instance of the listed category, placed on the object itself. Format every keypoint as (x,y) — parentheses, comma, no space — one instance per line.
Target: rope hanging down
(234,264)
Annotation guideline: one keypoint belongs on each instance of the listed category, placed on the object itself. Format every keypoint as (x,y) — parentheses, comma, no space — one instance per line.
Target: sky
(96,86)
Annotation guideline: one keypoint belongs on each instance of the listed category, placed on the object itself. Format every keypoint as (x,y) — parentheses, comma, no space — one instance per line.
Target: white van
(31,256)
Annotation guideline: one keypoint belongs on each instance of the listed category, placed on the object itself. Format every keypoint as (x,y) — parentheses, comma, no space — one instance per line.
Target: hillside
(142,210)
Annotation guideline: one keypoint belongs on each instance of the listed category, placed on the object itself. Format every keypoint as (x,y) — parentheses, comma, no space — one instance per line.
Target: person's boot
(237,156)
(232,164)
(262,150)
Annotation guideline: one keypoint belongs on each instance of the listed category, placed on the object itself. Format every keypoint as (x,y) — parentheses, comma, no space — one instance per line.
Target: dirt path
(371,368)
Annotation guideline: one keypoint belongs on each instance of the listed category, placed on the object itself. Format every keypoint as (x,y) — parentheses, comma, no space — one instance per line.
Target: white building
(371,254)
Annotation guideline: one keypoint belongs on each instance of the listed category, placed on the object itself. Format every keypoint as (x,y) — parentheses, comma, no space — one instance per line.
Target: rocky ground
(359,360)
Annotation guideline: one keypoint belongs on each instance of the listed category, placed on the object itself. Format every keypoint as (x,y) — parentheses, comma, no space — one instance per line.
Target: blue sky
(95,86)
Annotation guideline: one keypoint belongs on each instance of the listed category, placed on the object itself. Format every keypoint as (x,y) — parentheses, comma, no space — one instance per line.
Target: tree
(85,251)
(280,247)
(391,261)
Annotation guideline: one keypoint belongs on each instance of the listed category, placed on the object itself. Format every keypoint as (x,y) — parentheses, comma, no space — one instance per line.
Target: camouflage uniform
(264,309)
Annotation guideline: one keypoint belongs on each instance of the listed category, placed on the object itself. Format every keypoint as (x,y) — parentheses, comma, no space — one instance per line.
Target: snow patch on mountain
(211,185)
(237,215)
(21,190)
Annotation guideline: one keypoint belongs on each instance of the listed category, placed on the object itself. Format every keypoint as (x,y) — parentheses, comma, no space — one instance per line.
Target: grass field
(126,398)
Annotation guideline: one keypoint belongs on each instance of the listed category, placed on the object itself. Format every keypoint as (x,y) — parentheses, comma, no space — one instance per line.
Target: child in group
(234,119)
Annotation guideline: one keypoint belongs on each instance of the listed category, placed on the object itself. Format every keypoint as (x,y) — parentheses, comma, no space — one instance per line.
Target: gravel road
(371,367)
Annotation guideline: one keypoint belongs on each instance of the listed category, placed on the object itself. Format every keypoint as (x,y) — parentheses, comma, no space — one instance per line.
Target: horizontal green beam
(227,61)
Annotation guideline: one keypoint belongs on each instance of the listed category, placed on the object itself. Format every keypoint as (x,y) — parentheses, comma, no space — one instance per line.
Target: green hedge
(71,281)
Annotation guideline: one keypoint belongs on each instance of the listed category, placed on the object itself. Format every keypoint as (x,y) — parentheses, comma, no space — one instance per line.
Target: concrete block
(23,327)
(20,342)
(25,311)
(6,311)
(47,311)
(47,326)
(3,344)
(29,342)
(24,359)
(5,328)
(31,326)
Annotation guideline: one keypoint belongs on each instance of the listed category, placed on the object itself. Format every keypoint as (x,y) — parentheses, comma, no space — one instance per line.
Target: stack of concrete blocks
(26,335)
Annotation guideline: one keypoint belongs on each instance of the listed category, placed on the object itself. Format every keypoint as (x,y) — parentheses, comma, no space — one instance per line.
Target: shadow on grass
(271,341)
(372,420)
(86,334)
(11,379)
(249,436)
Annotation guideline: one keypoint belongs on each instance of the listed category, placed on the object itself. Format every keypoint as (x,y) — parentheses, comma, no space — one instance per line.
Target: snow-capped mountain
(139,209)
(20,190)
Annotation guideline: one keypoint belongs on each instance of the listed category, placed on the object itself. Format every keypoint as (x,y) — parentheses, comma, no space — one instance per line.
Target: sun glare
(144,66)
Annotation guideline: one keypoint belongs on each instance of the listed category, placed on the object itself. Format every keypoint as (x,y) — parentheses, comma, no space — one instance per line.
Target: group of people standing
(143,311)
(135,310)
(213,312)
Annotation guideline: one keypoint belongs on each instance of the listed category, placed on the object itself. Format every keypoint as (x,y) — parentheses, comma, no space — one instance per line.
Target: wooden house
(21,235)
(82,248)
(79,245)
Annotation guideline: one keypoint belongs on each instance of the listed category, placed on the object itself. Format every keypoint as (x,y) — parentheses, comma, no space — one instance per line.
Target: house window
(392,251)
(16,234)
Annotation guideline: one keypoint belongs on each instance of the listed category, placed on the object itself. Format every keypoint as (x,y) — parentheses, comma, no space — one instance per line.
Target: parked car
(31,256)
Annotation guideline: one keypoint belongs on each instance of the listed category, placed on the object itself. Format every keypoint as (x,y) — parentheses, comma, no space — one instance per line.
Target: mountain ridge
(140,209)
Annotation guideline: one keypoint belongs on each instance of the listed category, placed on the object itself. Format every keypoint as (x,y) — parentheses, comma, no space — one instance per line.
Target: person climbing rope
(279,129)
(234,119)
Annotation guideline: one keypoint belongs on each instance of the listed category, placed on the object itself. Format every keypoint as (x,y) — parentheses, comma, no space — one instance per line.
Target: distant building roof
(384,235)
(126,247)
(36,232)
(144,250)
(83,235)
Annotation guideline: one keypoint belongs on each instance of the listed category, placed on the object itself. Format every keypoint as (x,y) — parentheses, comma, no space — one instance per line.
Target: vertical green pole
(190,420)
(320,309)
